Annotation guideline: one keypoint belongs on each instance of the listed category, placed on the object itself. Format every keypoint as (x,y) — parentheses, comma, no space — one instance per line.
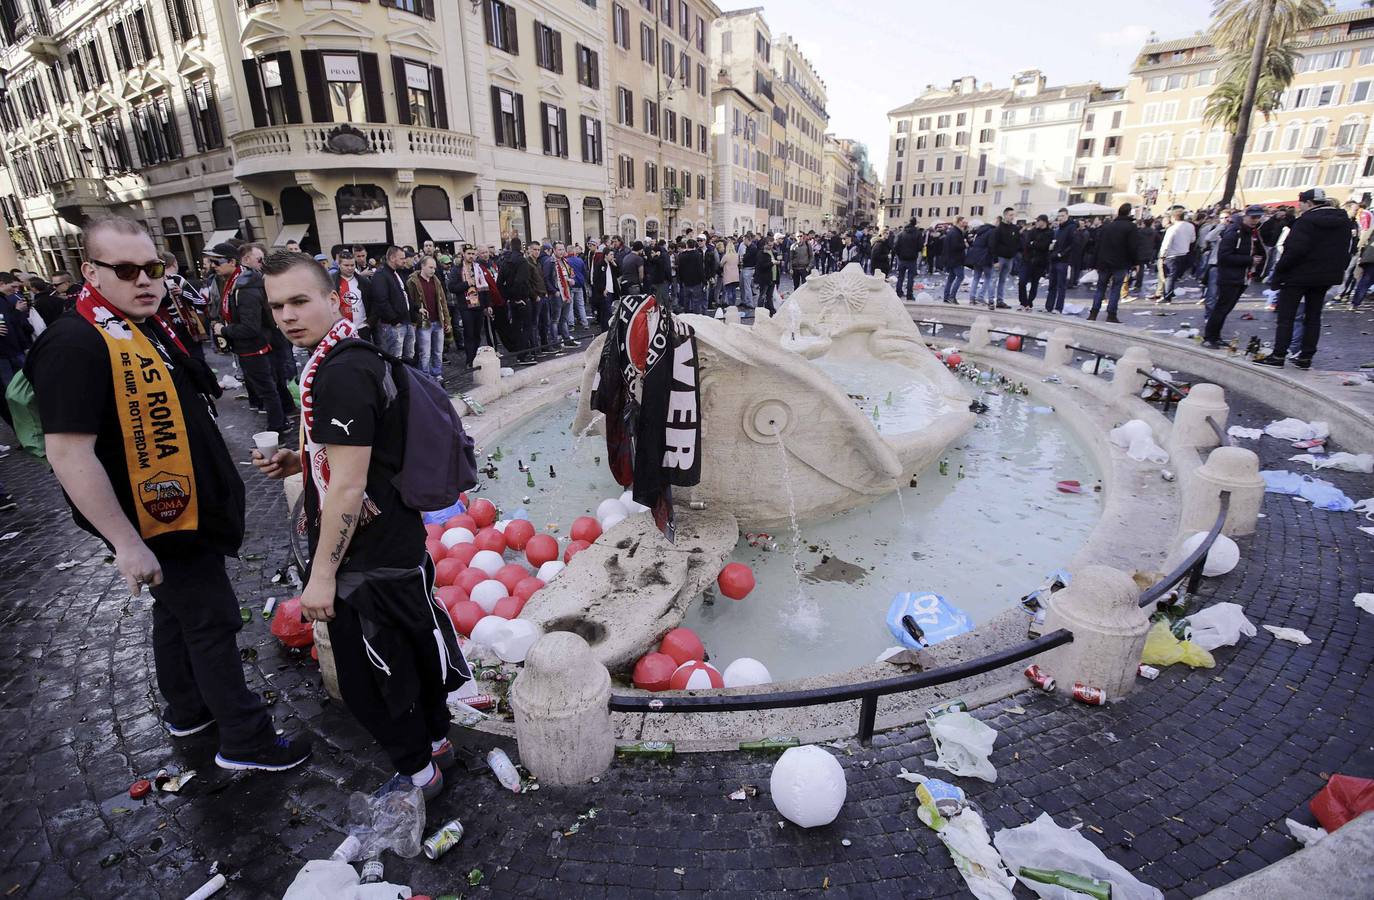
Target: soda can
(1090,695)
(1040,679)
(443,840)
(480,701)
(948,706)
(1149,673)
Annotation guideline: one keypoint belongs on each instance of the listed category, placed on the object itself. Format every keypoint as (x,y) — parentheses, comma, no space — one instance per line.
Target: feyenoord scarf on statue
(157,450)
(647,387)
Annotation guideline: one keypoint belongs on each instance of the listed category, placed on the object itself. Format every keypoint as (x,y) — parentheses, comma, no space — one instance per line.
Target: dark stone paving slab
(1186,784)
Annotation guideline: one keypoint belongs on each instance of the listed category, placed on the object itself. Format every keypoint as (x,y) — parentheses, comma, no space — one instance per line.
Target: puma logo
(344,426)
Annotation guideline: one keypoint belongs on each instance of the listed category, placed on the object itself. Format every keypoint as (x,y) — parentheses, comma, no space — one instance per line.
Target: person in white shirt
(352,288)
(1178,242)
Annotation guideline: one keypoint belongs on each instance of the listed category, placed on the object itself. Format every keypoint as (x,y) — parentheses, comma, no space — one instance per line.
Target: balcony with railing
(281,148)
(29,28)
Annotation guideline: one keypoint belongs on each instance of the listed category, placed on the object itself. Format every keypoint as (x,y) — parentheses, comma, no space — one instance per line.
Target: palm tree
(1258,38)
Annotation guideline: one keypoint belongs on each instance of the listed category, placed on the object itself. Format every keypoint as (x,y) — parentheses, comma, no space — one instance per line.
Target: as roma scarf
(157,450)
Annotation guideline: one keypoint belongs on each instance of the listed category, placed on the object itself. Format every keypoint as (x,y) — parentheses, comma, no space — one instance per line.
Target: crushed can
(444,840)
(1041,679)
(1149,673)
(949,706)
(1092,696)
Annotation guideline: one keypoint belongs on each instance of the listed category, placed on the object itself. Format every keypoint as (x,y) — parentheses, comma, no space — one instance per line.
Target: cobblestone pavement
(1186,783)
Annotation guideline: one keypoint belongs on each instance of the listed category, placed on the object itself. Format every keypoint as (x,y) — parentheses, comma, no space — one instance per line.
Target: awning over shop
(290,233)
(364,231)
(441,230)
(219,237)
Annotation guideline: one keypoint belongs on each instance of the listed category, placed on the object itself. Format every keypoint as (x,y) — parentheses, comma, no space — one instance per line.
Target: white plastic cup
(267,443)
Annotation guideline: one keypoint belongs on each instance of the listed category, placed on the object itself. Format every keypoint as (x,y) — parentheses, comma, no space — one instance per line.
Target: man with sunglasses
(244,323)
(131,436)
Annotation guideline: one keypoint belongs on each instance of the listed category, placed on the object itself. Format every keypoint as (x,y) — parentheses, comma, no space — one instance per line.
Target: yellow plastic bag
(1163,649)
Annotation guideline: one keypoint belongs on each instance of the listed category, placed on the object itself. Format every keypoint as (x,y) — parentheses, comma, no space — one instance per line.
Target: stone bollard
(1127,382)
(732,316)
(1191,428)
(488,367)
(1057,352)
(1101,608)
(1233,469)
(978,332)
(329,673)
(562,720)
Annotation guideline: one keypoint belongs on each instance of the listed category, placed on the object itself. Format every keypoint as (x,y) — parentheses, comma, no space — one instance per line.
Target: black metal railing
(1190,566)
(1172,392)
(1223,439)
(1097,355)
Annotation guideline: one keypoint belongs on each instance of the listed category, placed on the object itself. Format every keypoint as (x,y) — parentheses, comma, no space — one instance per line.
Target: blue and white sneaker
(278,755)
(187,730)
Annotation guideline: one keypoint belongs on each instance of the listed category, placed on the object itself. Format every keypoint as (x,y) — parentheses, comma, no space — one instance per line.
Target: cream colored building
(1320,137)
(661,113)
(800,96)
(837,185)
(1098,172)
(744,109)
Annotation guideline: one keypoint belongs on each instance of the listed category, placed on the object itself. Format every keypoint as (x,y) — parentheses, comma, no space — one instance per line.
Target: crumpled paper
(1365,602)
(1292,635)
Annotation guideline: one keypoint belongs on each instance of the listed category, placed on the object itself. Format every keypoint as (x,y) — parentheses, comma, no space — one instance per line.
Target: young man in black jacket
(1006,243)
(908,252)
(1235,255)
(1314,257)
(1114,258)
(244,325)
(952,258)
(388,306)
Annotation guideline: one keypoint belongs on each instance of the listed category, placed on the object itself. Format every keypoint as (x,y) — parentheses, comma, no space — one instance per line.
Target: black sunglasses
(129,271)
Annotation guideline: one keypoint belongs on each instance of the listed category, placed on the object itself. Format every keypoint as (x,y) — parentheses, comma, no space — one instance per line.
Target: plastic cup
(267,443)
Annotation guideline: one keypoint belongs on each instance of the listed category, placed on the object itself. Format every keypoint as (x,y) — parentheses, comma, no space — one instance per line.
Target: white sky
(875,55)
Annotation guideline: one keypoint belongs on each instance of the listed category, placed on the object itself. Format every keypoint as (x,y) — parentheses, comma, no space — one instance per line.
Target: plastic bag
(1297,430)
(1305,834)
(1346,462)
(1325,495)
(1280,481)
(966,838)
(1343,798)
(397,821)
(1240,431)
(288,627)
(963,745)
(1292,635)
(1220,625)
(1138,441)
(1163,649)
(1365,602)
(326,879)
(1044,845)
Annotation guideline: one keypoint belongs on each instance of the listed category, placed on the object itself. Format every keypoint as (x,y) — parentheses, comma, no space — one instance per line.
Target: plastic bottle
(348,850)
(1083,884)
(504,769)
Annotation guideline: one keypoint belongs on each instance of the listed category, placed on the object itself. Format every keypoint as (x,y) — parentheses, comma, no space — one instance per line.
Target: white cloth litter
(229,382)
(1365,506)
(328,879)
(1138,441)
(1240,431)
(1346,462)
(1292,635)
(1365,602)
(1044,845)
(1305,834)
(1297,430)
(1220,625)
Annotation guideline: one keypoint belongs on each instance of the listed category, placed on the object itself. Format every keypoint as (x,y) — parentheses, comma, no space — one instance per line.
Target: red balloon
(461,552)
(435,531)
(490,539)
(585,528)
(574,548)
(735,581)
(1014,342)
(288,627)
(465,614)
(541,548)
(953,360)
(436,550)
(470,579)
(683,645)
(518,533)
(683,678)
(462,520)
(526,588)
(446,571)
(450,594)
(508,607)
(512,574)
(653,671)
(483,512)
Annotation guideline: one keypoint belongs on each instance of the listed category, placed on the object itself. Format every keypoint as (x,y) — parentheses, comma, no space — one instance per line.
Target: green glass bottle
(529,479)
(649,749)
(770,743)
(1083,884)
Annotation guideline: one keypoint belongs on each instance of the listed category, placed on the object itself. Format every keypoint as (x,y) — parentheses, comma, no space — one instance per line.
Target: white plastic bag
(1044,845)
(963,745)
(1220,625)
(1365,602)
(1240,431)
(1346,462)
(1297,430)
(1138,441)
(966,837)
(328,879)
(1292,635)
(1305,834)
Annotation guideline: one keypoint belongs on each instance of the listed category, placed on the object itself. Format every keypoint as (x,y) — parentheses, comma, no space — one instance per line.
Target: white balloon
(746,672)
(456,536)
(520,636)
(611,521)
(488,561)
(1222,558)
(610,507)
(490,630)
(549,570)
(631,507)
(807,784)
(487,593)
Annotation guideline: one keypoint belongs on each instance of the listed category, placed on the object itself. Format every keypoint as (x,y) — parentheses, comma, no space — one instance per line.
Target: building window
(650,178)
(205,123)
(184,18)
(670,126)
(419,7)
(554,128)
(648,49)
(513,211)
(651,117)
(557,217)
(111,146)
(184,240)
(620,24)
(1111,146)
(508,117)
(625,166)
(588,67)
(668,59)
(343,75)
(701,79)
(591,140)
(701,138)
(420,93)
(548,48)
(155,130)
(625,106)
(272,91)
(500,22)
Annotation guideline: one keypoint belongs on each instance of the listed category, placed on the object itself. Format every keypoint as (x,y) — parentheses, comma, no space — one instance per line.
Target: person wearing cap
(1313,260)
(243,318)
(1234,256)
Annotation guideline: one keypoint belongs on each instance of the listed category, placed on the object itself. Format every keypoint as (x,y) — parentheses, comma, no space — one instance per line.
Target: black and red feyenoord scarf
(647,386)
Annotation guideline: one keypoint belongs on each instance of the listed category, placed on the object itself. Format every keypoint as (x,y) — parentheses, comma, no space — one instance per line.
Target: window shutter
(557,41)
(593,69)
(486,22)
(496,123)
(544,129)
(398,75)
(316,90)
(373,107)
(597,151)
(520,141)
(195,121)
(290,95)
(512,31)
(582,131)
(255,99)
(427,9)
(563,133)
(436,84)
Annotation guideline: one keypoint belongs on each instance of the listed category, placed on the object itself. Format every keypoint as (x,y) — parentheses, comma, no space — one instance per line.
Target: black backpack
(439,461)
